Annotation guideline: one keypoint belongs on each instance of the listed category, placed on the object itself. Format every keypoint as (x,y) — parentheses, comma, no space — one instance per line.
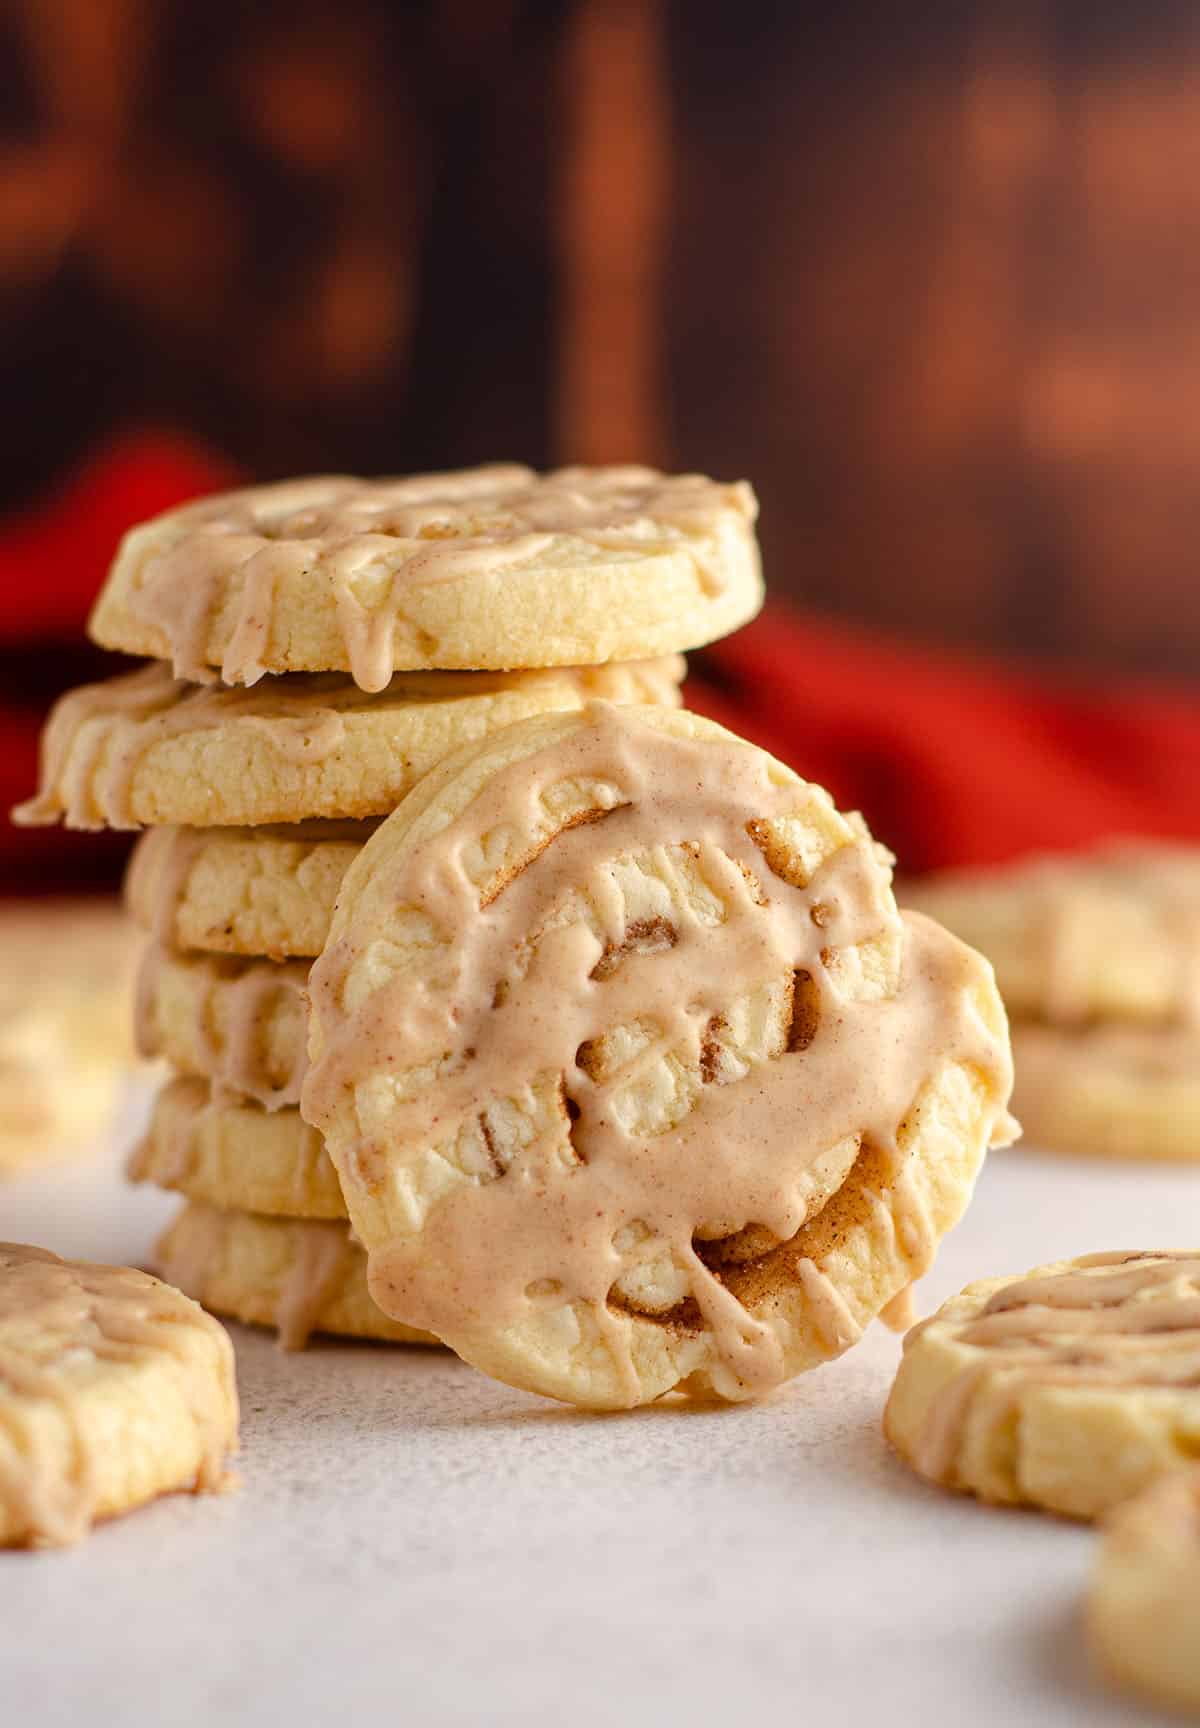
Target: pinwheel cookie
(633,1075)
(1116,1091)
(1109,935)
(1071,1388)
(114,1388)
(236,1155)
(66,989)
(147,748)
(239,1023)
(1144,1603)
(293,1274)
(265,891)
(489,568)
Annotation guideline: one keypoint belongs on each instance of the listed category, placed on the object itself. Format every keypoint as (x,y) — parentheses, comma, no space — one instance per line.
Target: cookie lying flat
(114,1389)
(1113,934)
(1110,1091)
(299,1276)
(239,1023)
(489,568)
(243,890)
(146,748)
(632,1073)
(1070,1388)
(236,1155)
(66,986)
(1144,1603)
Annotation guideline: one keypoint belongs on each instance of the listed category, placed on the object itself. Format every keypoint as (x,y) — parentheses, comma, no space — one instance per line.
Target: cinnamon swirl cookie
(296,1275)
(1144,1603)
(239,1023)
(236,1155)
(1110,1091)
(147,748)
(633,1075)
(114,1389)
(489,568)
(1070,1389)
(253,891)
(1110,935)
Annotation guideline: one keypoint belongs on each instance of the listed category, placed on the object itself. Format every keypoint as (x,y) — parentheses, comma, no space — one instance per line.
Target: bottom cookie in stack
(264,1236)
(300,1275)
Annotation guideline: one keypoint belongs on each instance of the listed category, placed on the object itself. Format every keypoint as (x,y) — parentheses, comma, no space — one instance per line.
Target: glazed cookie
(253,891)
(114,1389)
(66,987)
(299,1276)
(1144,1603)
(489,568)
(633,1075)
(1069,1389)
(1110,1091)
(236,1155)
(145,748)
(1113,934)
(239,1023)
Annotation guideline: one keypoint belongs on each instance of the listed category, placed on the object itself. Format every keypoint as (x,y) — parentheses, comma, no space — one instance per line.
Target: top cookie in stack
(329,642)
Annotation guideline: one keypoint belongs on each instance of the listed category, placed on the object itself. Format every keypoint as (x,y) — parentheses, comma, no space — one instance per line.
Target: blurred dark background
(930,275)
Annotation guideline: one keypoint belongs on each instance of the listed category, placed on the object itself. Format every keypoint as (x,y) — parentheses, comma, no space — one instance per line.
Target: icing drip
(98,736)
(1109,1320)
(374,542)
(585,1200)
(229,1003)
(322,1255)
(53,1312)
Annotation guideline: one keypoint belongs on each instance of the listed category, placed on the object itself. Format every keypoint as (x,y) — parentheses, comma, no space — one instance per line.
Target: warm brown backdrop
(930,275)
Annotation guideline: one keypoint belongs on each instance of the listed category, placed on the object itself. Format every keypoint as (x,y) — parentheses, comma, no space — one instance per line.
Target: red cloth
(953,761)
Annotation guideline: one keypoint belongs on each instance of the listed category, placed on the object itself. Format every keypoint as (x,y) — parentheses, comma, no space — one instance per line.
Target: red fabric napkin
(953,761)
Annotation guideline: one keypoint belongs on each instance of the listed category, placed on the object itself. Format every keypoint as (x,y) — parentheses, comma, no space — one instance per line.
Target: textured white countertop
(414,1541)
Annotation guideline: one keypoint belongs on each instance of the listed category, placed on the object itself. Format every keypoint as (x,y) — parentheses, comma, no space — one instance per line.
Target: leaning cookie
(145,748)
(1144,1602)
(114,1389)
(1112,934)
(296,1275)
(633,1075)
(235,1155)
(252,891)
(1108,1091)
(1070,1388)
(490,568)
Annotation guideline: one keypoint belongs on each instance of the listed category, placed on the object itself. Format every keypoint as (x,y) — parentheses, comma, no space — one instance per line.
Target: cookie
(490,568)
(1111,1091)
(239,1023)
(114,1389)
(297,1275)
(1113,934)
(236,1155)
(66,989)
(633,1075)
(144,748)
(254,891)
(1070,1388)
(1144,1603)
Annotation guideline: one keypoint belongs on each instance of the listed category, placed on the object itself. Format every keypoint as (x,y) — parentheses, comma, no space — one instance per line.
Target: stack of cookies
(316,648)
(1098,959)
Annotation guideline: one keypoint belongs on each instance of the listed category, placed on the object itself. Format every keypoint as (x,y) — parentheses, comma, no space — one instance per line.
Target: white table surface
(414,1541)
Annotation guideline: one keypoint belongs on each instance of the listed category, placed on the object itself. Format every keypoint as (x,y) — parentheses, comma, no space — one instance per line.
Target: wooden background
(930,275)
